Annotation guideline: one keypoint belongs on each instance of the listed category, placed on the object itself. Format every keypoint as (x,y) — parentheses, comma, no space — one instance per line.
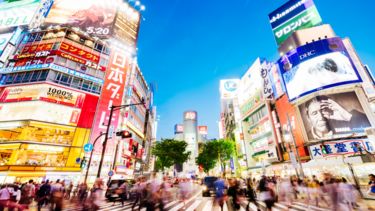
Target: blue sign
(111,173)
(315,66)
(232,164)
(88,147)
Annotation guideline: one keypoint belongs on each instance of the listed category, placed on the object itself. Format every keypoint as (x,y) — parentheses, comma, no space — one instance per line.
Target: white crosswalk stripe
(194,205)
(208,205)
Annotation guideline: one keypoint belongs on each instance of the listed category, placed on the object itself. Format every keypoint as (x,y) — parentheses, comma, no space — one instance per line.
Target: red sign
(77,59)
(79,52)
(35,48)
(203,130)
(112,92)
(283,107)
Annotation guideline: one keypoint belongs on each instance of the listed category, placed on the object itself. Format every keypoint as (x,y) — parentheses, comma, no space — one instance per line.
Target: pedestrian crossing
(197,203)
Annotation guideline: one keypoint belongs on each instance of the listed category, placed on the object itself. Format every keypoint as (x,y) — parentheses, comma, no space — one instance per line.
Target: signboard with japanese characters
(112,93)
(346,147)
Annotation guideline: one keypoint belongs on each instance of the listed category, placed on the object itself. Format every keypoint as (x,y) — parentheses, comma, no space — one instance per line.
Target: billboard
(44,92)
(344,147)
(40,111)
(95,17)
(292,16)
(190,115)
(284,110)
(318,65)
(18,12)
(334,116)
(4,39)
(203,130)
(126,25)
(228,88)
(178,128)
(112,93)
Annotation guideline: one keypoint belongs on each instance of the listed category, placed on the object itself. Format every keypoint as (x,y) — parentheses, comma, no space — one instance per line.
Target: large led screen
(319,65)
(334,116)
(95,17)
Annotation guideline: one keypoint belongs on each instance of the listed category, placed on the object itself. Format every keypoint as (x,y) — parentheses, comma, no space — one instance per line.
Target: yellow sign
(45,92)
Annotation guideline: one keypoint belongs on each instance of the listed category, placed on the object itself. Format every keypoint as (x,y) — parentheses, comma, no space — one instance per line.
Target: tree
(169,152)
(215,151)
(224,149)
(206,158)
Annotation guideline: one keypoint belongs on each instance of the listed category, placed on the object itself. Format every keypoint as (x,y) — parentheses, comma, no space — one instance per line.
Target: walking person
(28,192)
(139,189)
(57,194)
(251,195)
(265,194)
(234,194)
(220,187)
(43,194)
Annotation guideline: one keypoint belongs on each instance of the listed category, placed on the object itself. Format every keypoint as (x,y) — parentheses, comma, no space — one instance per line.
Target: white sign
(17,13)
(228,88)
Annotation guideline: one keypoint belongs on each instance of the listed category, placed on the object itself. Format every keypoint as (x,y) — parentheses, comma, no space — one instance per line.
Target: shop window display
(42,158)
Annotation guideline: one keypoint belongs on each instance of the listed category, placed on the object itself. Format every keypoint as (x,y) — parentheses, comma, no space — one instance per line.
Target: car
(116,183)
(208,185)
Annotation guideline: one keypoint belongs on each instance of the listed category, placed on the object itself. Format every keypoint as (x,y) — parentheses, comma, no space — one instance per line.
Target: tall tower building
(191,138)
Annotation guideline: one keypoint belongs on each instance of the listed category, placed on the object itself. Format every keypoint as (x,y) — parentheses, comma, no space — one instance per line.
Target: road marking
(208,205)
(194,205)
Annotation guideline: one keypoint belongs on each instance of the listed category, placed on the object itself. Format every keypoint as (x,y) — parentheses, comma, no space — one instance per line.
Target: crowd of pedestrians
(334,193)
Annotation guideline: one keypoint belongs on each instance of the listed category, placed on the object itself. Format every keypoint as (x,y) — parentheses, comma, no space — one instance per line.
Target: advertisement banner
(228,88)
(127,25)
(17,13)
(40,111)
(92,56)
(95,17)
(190,115)
(266,80)
(44,92)
(250,89)
(284,110)
(334,116)
(318,65)
(276,81)
(4,39)
(292,16)
(178,129)
(336,148)
(203,130)
(112,93)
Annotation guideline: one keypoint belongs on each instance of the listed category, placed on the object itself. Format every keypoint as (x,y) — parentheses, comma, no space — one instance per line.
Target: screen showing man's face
(317,117)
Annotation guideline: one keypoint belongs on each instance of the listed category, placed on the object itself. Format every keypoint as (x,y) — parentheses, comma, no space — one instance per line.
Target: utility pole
(89,164)
(113,108)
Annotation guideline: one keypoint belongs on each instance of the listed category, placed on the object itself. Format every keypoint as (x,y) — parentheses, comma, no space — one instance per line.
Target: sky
(185,47)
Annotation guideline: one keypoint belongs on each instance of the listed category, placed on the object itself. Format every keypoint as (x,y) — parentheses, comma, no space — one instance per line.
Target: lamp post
(113,108)
(89,164)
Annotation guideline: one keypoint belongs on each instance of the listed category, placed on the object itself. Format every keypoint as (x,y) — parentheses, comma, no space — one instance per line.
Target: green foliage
(215,151)
(169,152)
(206,158)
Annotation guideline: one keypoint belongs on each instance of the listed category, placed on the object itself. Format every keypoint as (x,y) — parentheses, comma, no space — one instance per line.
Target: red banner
(112,92)
(79,52)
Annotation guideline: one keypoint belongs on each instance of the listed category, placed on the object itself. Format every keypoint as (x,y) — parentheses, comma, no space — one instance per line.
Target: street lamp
(113,108)
(88,167)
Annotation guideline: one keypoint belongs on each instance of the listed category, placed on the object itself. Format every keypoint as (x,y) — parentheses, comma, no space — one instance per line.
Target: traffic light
(124,134)
(83,163)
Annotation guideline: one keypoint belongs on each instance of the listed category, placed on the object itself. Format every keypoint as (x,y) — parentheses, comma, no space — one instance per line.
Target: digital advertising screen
(334,116)
(96,17)
(316,66)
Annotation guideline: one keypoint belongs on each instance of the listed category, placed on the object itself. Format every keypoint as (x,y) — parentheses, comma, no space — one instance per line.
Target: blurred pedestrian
(234,194)
(43,194)
(57,195)
(371,183)
(220,187)
(265,194)
(28,192)
(251,195)
(139,189)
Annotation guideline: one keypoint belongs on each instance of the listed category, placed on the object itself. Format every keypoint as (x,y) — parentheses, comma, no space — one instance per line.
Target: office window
(65,79)
(35,76)
(26,77)
(10,79)
(18,77)
(77,82)
(43,75)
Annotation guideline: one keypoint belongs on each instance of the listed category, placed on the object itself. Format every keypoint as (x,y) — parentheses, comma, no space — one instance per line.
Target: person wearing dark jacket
(43,194)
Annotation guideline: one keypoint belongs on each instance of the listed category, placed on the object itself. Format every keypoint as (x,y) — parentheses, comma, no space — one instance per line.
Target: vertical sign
(112,93)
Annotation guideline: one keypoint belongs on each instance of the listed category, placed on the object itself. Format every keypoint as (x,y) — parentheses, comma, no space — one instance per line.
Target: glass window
(19,77)
(86,85)
(77,82)
(43,75)
(35,76)
(10,79)
(56,46)
(58,76)
(3,79)
(65,79)
(95,88)
(26,77)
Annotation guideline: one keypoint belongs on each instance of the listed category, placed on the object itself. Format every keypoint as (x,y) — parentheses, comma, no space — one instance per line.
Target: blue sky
(186,47)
